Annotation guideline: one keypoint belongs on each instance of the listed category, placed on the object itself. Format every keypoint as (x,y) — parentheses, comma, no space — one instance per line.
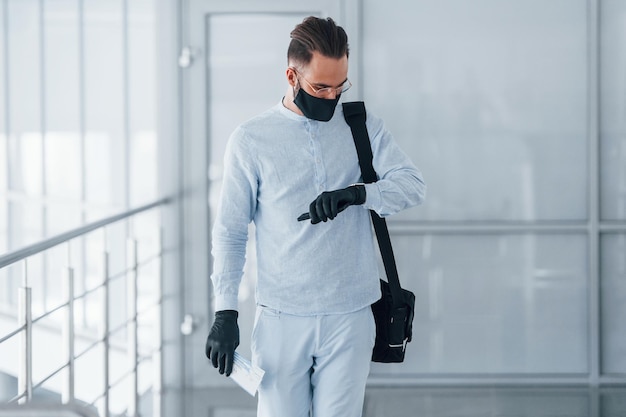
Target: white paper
(246,375)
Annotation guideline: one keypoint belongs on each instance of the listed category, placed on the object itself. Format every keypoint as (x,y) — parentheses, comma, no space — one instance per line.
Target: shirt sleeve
(400,183)
(230,230)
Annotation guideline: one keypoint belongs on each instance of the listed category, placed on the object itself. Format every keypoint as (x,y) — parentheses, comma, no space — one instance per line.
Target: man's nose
(331,94)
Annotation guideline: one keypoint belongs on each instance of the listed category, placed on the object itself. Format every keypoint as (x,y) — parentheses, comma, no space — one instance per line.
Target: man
(314,329)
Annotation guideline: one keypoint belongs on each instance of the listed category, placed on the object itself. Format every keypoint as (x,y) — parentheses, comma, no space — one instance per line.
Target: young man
(314,329)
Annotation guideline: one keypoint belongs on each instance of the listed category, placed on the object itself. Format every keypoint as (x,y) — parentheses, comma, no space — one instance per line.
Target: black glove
(223,340)
(330,203)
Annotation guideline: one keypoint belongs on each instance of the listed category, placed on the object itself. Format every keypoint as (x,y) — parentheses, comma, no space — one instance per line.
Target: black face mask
(315,108)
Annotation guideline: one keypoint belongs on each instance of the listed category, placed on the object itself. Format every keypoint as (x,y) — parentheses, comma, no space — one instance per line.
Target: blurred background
(514,111)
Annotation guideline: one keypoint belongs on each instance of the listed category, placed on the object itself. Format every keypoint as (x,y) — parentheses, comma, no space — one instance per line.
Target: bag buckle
(402,345)
(397,329)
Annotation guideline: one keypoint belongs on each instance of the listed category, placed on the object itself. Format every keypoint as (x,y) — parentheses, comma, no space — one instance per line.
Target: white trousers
(315,365)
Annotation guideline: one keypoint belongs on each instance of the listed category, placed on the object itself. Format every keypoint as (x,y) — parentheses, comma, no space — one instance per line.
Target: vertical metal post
(132,328)
(105,407)
(43,133)
(25,377)
(81,106)
(594,309)
(126,103)
(68,338)
(157,357)
(9,166)
(4,27)
(595,402)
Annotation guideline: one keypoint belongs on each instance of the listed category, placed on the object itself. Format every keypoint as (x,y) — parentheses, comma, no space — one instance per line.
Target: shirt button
(319,161)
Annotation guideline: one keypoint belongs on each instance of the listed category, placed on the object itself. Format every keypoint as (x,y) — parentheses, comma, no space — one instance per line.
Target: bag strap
(355,115)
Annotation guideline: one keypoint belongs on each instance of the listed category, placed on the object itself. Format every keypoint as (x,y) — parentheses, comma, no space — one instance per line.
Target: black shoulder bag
(393,313)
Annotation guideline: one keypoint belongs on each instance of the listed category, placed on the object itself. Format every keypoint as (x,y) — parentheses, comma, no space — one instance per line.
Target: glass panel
(613,105)
(143,167)
(99,160)
(24,68)
(62,96)
(487,118)
(24,94)
(118,396)
(4,220)
(118,310)
(489,304)
(63,167)
(147,295)
(89,378)
(147,320)
(234,55)
(89,313)
(142,95)
(145,378)
(145,229)
(25,159)
(26,223)
(104,102)
(11,279)
(613,293)
(47,346)
(62,217)
(9,349)
(4,161)
(3,109)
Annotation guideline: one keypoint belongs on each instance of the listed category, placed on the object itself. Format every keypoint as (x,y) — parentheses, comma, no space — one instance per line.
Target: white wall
(497,103)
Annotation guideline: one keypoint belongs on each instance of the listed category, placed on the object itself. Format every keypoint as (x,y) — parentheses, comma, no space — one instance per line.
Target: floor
(447,402)
(495,402)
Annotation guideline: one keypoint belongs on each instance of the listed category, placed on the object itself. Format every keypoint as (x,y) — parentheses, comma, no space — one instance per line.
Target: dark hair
(315,34)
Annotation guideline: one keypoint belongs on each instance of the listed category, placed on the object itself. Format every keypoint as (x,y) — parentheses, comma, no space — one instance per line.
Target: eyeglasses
(326,91)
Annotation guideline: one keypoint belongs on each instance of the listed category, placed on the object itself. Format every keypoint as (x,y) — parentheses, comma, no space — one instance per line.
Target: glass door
(237,57)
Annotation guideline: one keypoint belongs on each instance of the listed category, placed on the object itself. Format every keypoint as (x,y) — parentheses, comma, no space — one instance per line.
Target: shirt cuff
(226,302)
(373,200)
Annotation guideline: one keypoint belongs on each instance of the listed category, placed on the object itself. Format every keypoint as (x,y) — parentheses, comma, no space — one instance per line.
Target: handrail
(27,251)
(135,351)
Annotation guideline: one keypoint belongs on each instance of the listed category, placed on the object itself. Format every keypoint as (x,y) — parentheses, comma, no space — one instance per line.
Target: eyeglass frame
(316,91)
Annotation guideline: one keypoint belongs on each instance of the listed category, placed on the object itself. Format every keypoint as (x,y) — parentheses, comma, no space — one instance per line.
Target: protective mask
(315,108)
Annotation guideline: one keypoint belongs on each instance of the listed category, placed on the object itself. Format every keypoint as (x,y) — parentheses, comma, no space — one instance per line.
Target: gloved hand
(330,203)
(223,340)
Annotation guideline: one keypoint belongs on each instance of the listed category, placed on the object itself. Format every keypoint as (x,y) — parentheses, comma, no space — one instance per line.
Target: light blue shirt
(275,165)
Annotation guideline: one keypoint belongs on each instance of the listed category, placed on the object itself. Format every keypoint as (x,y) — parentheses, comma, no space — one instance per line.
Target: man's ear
(292,77)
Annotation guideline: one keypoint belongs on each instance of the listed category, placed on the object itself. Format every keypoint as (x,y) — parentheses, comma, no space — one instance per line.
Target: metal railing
(105,337)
